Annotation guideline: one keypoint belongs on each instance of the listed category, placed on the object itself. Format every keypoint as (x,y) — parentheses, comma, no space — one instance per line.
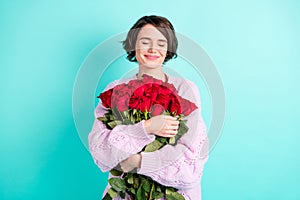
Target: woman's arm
(110,147)
(180,166)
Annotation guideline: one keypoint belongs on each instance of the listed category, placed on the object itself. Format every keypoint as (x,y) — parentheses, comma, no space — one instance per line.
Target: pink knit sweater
(179,166)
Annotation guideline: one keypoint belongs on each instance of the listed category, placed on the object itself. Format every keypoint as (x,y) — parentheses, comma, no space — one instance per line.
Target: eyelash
(161,45)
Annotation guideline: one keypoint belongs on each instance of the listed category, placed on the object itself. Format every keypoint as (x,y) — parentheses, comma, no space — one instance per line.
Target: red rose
(134,84)
(142,94)
(164,97)
(170,87)
(135,99)
(165,90)
(139,91)
(163,100)
(150,79)
(123,102)
(174,104)
(134,102)
(120,97)
(145,104)
(106,98)
(187,107)
(143,97)
(156,109)
(151,90)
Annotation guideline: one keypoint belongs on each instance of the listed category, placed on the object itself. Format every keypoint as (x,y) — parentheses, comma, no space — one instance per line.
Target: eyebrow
(147,38)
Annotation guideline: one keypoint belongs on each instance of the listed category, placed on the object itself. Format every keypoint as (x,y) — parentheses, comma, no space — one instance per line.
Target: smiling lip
(150,57)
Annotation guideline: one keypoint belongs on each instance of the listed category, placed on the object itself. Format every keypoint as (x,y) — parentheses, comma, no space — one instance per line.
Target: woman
(151,42)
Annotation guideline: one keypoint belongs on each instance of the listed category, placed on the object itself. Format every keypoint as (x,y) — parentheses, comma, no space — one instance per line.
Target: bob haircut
(163,25)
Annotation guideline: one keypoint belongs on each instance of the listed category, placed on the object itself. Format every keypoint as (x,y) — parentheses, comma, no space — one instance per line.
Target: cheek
(138,55)
(164,54)
(139,50)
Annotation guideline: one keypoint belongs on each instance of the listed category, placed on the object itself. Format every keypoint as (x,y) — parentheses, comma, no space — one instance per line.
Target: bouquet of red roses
(131,103)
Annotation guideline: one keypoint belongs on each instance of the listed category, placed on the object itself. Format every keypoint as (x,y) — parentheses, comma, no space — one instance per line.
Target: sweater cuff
(139,132)
(150,163)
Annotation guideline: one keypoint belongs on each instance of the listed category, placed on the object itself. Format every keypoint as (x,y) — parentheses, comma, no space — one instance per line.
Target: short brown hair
(162,24)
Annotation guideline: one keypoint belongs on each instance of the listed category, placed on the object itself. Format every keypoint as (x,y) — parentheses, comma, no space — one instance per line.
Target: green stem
(146,115)
(152,188)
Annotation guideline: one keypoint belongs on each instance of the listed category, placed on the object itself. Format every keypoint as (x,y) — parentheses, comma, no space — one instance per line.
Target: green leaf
(112,193)
(182,128)
(162,140)
(117,184)
(140,193)
(158,189)
(136,182)
(169,191)
(158,195)
(153,146)
(114,123)
(122,195)
(116,172)
(132,119)
(112,117)
(172,140)
(147,186)
(132,190)
(125,113)
(174,196)
(107,197)
(103,119)
(130,180)
(127,121)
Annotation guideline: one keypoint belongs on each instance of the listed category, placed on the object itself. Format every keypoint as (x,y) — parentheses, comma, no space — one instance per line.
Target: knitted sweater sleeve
(110,147)
(181,166)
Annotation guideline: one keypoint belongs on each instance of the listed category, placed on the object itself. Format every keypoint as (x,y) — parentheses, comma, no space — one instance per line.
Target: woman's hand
(162,125)
(130,163)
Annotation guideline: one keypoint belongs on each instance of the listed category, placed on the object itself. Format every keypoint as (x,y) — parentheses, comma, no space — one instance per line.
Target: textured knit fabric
(179,166)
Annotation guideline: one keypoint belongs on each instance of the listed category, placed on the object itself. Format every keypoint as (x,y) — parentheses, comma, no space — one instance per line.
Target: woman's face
(151,47)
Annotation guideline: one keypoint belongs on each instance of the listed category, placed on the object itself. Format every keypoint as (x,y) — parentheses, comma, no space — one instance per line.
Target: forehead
(151,32)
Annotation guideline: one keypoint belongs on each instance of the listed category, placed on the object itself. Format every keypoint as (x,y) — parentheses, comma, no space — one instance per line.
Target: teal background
(254,44)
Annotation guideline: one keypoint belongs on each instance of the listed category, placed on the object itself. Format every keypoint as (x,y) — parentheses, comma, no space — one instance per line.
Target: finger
(171,127)
(170,136)
(170,132)
(176,122)
(167,133)
(167,117)
(122,168)
(175,126)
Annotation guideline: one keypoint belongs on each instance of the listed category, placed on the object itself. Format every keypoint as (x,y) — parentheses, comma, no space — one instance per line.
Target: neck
(154,72)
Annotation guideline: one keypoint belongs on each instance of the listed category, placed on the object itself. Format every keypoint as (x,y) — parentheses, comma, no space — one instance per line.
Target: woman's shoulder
(181,83)
(117,82)
(186,88)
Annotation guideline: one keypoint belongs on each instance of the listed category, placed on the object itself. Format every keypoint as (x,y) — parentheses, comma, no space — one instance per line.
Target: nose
(152,48)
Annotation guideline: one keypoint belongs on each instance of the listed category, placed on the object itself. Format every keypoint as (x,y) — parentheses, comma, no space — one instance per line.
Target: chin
(152,64)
